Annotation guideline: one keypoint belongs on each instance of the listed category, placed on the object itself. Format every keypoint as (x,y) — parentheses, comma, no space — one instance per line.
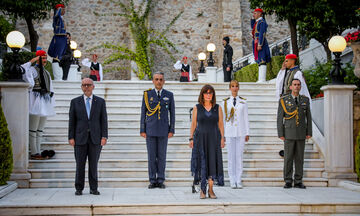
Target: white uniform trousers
(36,127)
(235,147)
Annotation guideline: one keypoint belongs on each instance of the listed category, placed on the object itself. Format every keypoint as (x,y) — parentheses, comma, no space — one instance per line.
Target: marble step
(134,128)
(129,120)
(62,173)
(170,182)
(170,163)
(171,85)
(125,108)
(250,201)
(172,145)
(135,137)
(181,154)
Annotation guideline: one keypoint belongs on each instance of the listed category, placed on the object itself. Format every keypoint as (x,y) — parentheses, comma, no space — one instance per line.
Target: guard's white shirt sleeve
(178,65)
(29,74)
(86,62)
(100,72)
(279,83)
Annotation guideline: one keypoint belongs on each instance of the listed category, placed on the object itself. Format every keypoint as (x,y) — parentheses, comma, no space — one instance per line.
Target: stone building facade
(202,22)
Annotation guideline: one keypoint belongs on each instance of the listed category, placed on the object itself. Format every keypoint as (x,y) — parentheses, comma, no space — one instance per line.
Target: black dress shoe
(78,193)
(161,185)
(300,185)
(152,185)
(288,185)
(94,192)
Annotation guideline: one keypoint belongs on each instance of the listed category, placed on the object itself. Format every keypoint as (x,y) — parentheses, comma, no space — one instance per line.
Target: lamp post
(211,48)
(337,44)
(202,57)
(15,40)
(77,55)
(73,46)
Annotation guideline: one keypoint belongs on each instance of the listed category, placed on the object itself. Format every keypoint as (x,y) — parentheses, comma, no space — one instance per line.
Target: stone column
(338,132)
(211,74)
(15,103)
(202,77)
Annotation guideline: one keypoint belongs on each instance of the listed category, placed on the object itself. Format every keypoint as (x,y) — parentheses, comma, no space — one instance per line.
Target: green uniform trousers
(294,151)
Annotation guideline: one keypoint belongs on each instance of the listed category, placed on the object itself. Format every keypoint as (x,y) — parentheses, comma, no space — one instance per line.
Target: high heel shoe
(202,195)
(212,194)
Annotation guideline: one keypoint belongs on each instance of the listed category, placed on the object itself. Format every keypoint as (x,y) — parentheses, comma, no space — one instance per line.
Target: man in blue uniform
(155,126)
(260,45)
(58,43)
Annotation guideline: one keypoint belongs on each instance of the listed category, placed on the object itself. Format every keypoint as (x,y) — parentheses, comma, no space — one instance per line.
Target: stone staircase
(123,161)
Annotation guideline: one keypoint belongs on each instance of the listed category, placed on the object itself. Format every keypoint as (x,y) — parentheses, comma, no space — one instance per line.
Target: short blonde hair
(233,82)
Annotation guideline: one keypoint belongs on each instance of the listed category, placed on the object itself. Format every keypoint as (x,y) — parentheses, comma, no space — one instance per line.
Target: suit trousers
(294,152)
(92,152)
(227,74)
(156,149)
(36,127)
(235,147)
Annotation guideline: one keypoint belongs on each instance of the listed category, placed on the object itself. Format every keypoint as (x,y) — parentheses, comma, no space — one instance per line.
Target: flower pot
(355,46)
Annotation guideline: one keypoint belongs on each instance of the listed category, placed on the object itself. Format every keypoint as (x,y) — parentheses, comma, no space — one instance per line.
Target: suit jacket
(287,127)
(238,125)
(80,126)
(152,125)
(227,57)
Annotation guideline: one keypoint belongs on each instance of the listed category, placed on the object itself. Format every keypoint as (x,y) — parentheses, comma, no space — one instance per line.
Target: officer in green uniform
(294,125)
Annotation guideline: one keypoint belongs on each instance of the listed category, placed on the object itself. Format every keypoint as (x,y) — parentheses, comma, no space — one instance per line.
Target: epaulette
(148,90)
(225,99)
(242,98)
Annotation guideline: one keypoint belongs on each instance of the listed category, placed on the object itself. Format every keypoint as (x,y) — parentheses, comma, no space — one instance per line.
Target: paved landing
(180,200)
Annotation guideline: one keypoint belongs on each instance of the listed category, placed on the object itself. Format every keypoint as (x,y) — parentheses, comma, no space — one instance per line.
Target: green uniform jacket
(287,127)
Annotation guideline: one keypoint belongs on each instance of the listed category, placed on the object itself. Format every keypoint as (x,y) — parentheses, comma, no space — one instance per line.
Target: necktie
(296,101)
(88,106)
(159,95)
(234,101)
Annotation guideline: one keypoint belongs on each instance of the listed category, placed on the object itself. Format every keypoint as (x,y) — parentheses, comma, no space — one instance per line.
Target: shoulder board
(284,96)
(242,98)
(148,90)
(304,96)
(225,99)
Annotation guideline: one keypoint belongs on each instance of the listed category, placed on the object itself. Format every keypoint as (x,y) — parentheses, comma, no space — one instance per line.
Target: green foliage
(250,73)
(143,36)
(357,156)
(23,58)
(5,28)
(319,76)
(6,156)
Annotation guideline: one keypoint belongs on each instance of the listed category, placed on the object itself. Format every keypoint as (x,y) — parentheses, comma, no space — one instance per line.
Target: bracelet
(191,139)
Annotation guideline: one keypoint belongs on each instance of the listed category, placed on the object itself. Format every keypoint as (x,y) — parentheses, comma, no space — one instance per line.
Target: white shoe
(233,186)
(239,186)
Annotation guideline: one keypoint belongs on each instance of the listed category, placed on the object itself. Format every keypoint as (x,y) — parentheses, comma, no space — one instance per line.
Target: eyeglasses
(209,93)
(159,79)
(86,85)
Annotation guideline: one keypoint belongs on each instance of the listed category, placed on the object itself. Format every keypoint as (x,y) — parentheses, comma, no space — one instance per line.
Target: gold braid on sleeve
(150,111)
(227,118)
(293,114)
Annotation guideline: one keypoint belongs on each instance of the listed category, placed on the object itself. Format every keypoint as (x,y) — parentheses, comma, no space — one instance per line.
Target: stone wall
(202,22)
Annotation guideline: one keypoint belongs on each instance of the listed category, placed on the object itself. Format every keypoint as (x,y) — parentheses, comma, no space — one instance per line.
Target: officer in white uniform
(236,124)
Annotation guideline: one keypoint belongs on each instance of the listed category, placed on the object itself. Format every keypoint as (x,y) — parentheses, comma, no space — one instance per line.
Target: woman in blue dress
(207,140)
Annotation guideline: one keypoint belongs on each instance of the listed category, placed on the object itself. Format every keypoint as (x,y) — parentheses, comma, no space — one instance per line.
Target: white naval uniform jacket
(238,126)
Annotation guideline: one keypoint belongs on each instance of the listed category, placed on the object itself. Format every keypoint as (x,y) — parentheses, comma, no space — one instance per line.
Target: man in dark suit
(154,126)
(227,59)
(88,133)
